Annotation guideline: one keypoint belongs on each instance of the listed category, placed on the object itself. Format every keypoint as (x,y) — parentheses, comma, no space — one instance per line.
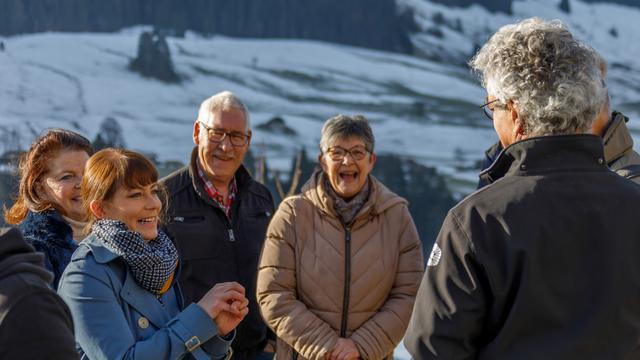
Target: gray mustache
(225,156)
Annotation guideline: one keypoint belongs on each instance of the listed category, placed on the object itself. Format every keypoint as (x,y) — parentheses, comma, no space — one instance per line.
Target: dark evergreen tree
(425,189)
(374,24)
(154,58)
(565,6)
(109,135)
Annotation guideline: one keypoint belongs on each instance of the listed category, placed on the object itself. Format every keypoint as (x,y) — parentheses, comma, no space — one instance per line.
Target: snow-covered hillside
(425,110)
(421,109)
(453,34)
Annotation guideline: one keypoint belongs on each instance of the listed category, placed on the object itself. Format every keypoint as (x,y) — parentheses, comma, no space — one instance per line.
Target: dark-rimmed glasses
(337,153)
(487,110)
(236,138)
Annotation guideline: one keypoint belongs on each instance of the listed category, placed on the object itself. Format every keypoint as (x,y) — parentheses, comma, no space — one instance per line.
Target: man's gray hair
(343,127)
(552,78)
(223,101)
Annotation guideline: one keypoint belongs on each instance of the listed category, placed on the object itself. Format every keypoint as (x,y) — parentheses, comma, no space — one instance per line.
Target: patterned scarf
(152,263)
(347,210)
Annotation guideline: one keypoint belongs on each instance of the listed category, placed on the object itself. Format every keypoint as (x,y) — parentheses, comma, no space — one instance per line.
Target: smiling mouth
(148,220)
(348,176)
(224,157)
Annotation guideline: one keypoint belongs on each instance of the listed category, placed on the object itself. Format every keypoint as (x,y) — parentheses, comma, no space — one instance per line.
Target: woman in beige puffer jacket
(320,303)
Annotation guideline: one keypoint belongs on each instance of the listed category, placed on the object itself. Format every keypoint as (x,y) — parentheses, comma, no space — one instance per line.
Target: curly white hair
(552,78)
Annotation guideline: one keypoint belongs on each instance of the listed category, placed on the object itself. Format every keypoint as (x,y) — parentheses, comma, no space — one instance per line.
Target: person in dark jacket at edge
(218,216)
(35,324)
(541,263)
(611,127)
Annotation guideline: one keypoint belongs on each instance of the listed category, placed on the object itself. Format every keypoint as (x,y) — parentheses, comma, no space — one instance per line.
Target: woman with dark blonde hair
(48,209)
(121,283)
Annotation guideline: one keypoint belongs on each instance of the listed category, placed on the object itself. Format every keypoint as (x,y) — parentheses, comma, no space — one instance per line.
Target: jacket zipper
(347,283)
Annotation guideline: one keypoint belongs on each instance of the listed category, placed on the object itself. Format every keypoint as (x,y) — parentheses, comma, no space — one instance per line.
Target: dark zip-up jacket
(35,324)
(213,249)
(618,150)
(541,264)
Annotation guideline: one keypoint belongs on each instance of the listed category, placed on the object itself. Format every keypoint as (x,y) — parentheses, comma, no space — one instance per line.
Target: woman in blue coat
(120,284)
(48,209)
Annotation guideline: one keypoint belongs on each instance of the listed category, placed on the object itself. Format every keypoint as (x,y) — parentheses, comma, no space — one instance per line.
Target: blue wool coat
(114,318)
(49,234)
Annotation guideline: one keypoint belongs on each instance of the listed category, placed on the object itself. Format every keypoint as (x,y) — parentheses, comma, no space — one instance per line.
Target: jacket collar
(243,179)
(48,226)
(548,153)
(131,292)
(100,252)
(380,198)
(617,139)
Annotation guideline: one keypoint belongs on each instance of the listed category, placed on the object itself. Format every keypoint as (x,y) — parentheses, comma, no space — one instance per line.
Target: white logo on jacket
(435,256)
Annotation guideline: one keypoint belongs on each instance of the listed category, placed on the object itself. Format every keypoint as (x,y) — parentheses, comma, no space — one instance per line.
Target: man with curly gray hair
(507,276)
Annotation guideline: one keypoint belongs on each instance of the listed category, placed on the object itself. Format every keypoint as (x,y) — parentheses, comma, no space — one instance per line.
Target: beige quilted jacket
(301,277)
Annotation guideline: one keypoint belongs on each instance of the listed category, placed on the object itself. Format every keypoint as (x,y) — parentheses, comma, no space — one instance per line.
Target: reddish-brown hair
(34,164)
(110,169)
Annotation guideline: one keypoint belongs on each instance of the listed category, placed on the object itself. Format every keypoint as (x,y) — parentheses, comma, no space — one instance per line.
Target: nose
(225,144)
(347,159)
(152,202)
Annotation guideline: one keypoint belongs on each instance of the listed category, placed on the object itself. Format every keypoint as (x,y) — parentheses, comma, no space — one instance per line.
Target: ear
(249,133)
(96,208)
(372,159)
(322,162)
(196,132)
(518,124)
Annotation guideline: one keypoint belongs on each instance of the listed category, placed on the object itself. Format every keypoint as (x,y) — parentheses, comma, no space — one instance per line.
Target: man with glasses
(541,263)
(610,126)
(218,216)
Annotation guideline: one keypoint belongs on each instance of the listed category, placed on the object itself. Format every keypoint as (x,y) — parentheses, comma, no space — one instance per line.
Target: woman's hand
(345,349)
(226,304)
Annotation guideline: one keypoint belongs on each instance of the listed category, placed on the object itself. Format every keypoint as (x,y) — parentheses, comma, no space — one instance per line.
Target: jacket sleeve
(103,332)
(451,303)
(379,335)
(290,319)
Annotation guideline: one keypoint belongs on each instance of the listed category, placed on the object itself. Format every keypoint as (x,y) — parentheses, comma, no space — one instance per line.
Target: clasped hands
(226,304)
(344,349)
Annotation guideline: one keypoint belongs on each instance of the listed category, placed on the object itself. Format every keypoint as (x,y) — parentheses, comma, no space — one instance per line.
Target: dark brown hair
(110,169)
(34,164)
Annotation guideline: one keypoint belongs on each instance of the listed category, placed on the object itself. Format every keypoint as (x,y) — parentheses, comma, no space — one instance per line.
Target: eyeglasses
(488,111)
(217,136)
(337,153)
